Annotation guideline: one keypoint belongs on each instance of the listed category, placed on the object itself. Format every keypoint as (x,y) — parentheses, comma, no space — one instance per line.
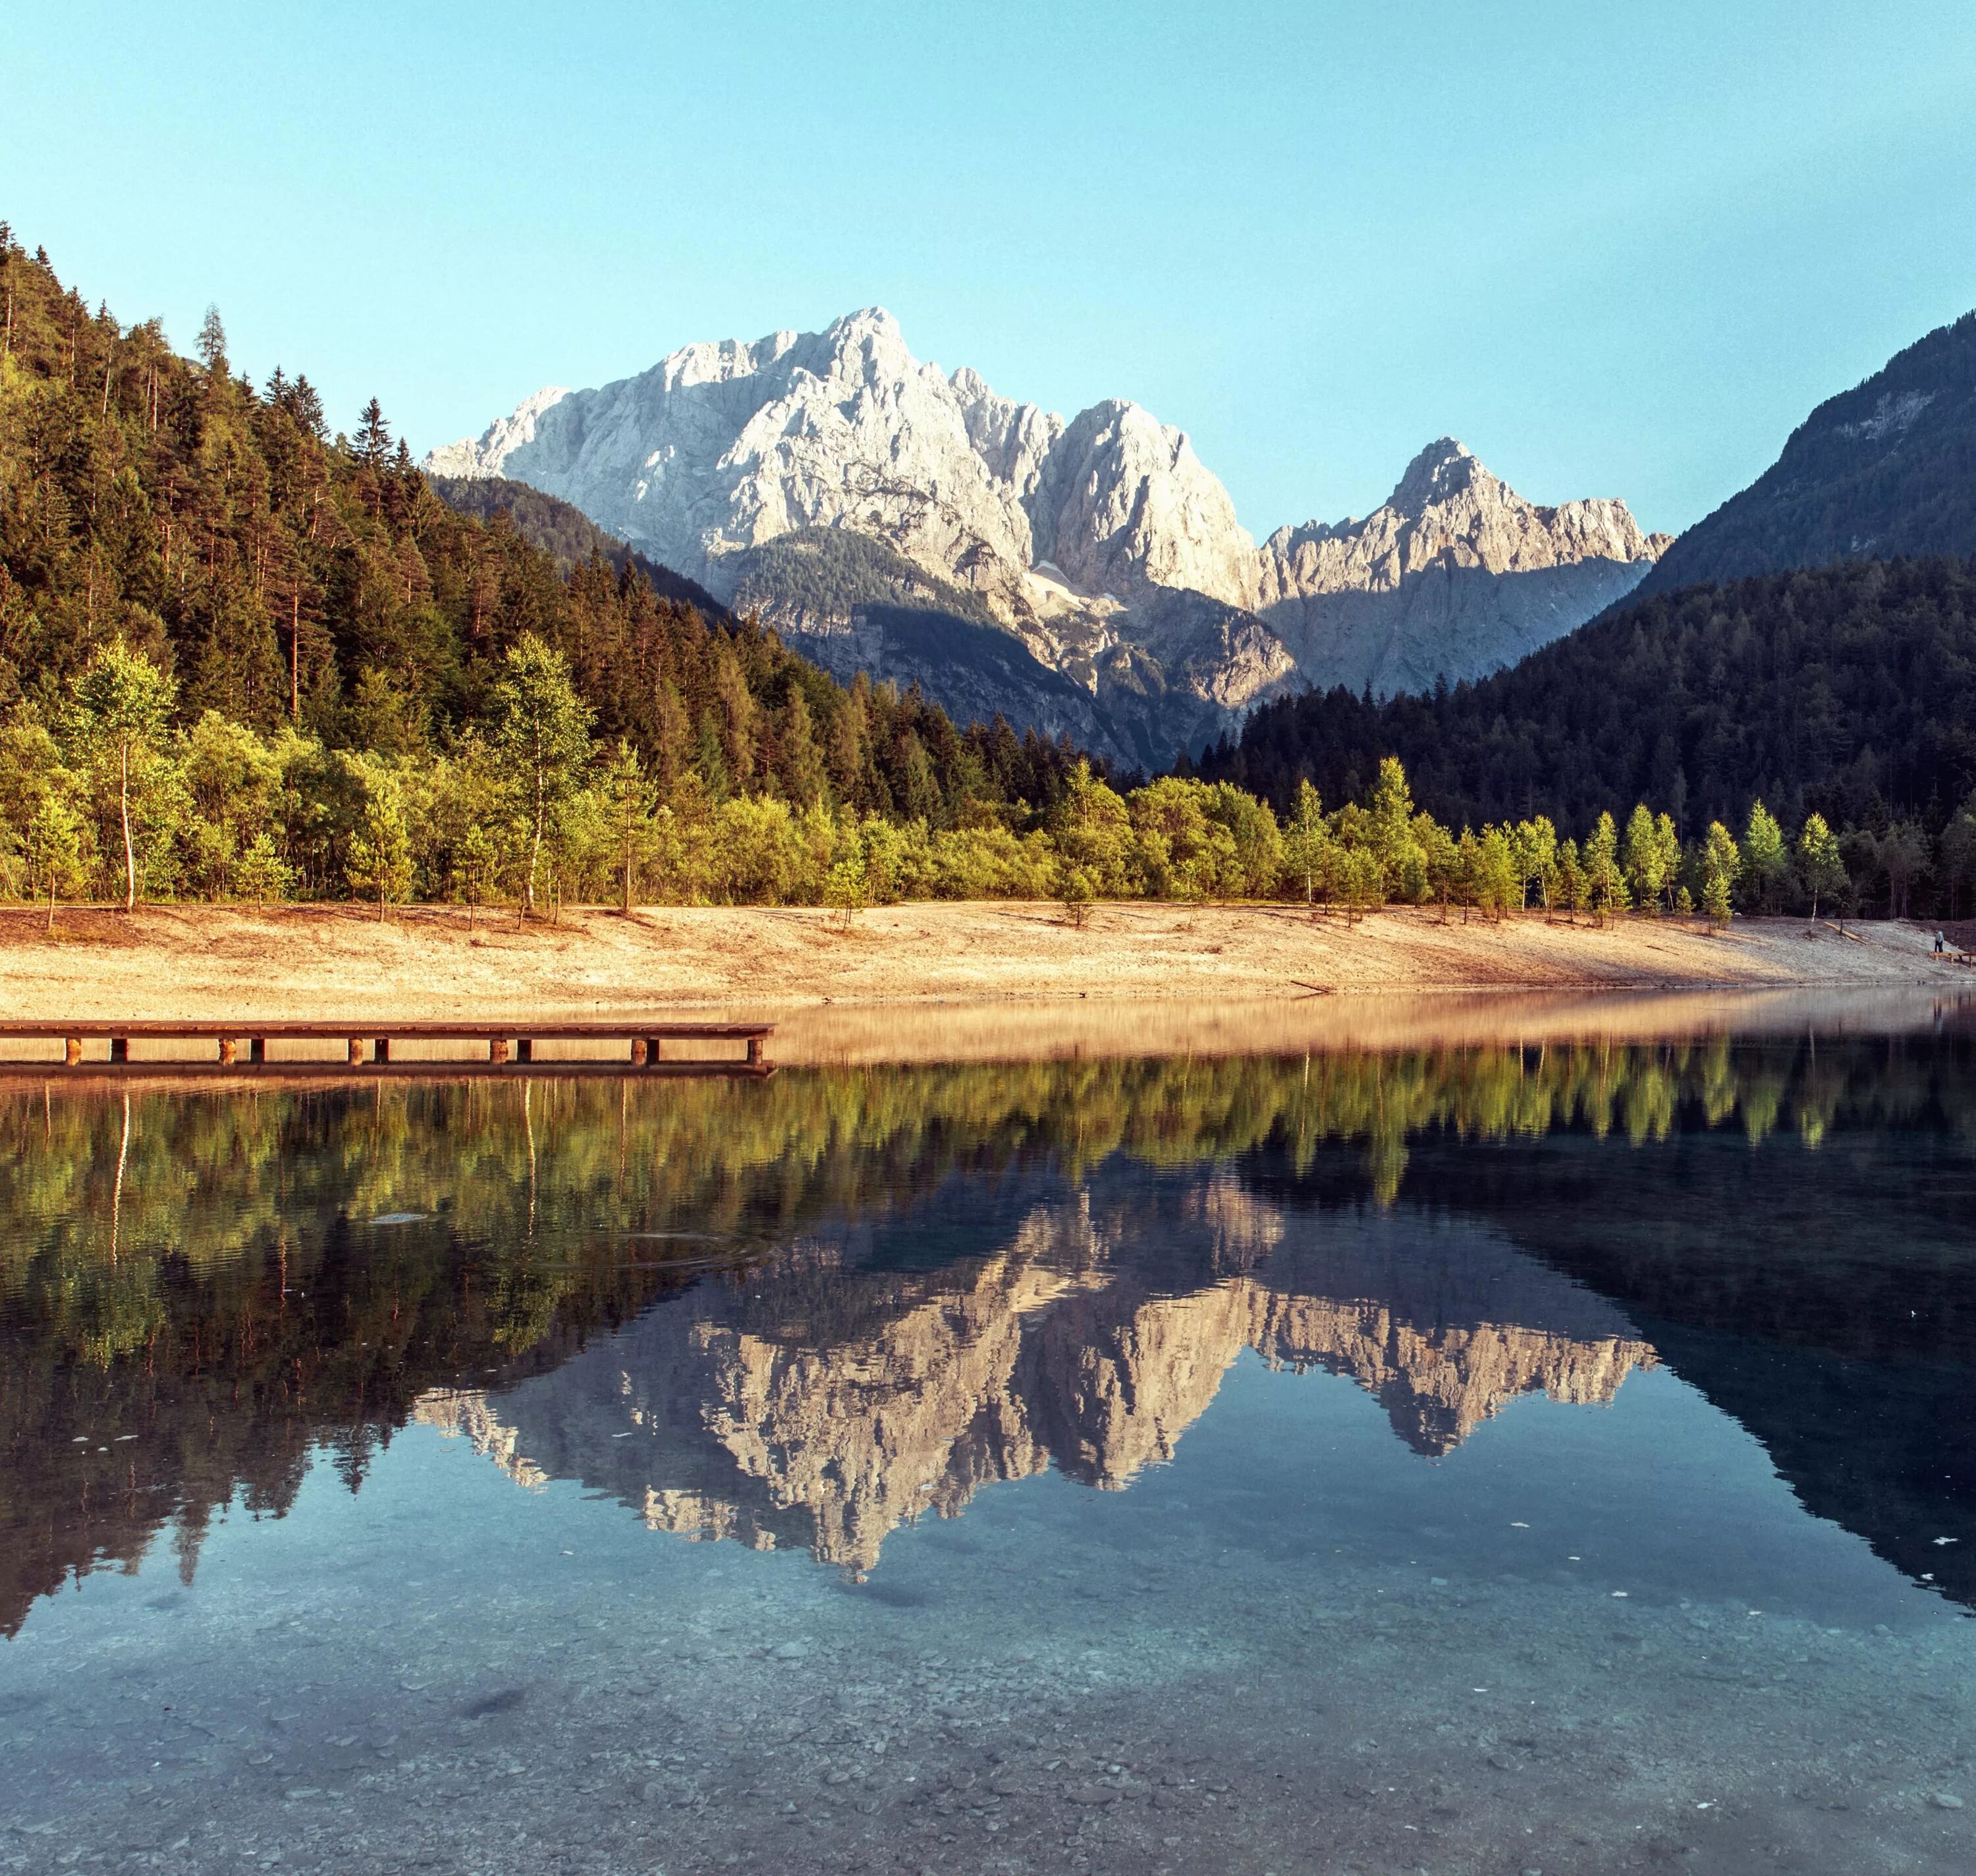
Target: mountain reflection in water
(803,1313)
(824,1403)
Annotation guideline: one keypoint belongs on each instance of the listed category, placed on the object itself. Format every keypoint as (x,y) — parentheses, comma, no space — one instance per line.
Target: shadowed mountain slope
(1887,469)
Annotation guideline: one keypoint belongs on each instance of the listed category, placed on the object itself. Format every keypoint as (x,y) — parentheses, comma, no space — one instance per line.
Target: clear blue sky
(1616,249)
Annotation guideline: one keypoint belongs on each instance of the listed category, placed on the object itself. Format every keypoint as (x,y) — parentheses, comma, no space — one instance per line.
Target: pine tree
(1605,883)
(1643,858)
(1570,880)
(1667,838)
(629,800)
(736,725)
(1390,810)
(801,762)
(213,346)
(1720,863)
(1958,855)
(261,875)
(374,438)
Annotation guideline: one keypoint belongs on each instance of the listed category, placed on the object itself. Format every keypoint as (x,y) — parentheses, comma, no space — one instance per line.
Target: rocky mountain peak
(1445,469)
(723,448)
(1455,575)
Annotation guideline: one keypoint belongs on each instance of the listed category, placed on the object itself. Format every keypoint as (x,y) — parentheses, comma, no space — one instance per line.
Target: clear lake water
(1498,1458)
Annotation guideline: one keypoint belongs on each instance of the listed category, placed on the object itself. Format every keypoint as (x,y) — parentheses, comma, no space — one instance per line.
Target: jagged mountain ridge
(1885,470)
(1103,543)
(1455,575)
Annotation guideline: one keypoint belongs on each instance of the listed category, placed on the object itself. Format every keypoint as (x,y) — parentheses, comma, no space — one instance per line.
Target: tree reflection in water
(891,1287)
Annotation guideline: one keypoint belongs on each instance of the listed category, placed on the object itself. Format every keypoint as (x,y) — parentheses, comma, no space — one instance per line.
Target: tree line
(525,804)
(1846,693)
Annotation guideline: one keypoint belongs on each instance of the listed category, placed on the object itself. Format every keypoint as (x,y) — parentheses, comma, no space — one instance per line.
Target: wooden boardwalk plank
(368,1046)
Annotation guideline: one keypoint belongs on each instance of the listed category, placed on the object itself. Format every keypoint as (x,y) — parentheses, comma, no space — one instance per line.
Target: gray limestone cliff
(1102,546)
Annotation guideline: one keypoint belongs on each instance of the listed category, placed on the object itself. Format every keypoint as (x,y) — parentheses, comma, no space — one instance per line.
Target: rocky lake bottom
(1204,1492)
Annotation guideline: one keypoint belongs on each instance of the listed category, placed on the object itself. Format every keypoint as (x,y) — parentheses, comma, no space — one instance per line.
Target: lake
(1493,1456)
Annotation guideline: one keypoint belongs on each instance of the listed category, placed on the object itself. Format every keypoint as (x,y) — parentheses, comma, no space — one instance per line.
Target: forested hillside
(568,535)
(1885,470)
(312,606)
(1849,692)
(243,656)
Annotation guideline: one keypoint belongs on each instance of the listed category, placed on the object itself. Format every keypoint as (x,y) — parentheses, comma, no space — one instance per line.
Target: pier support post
(257,1049)
(380,1050)
(640,1052)
(524,1049)
(227,1046)
(655,1051)
(356,1051)
(120,1048)
(497,1049)
(755,1051)
(72,1052)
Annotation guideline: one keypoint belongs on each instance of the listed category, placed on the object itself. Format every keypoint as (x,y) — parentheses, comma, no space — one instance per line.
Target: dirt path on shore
(202,962)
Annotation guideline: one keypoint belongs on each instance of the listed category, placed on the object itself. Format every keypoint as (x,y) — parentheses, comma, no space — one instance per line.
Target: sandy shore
(962,980)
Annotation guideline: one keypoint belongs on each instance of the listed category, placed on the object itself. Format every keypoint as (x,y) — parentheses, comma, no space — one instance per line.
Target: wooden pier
(509,1048)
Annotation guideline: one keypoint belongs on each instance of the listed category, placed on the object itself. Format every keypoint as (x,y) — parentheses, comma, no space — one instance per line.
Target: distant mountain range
(888,516)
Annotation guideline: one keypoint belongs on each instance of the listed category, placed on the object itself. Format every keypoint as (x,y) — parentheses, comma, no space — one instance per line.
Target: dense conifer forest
(568,537)
(1848,692)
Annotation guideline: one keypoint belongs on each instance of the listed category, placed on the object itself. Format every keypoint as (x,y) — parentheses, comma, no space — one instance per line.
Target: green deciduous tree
(1765,866)
(122,702)
(55,843)
(1093,831)
(1536,857)
(844,888)
(1819,864)
(1306,840)
(380,849)
(542,730)
(1498,879)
